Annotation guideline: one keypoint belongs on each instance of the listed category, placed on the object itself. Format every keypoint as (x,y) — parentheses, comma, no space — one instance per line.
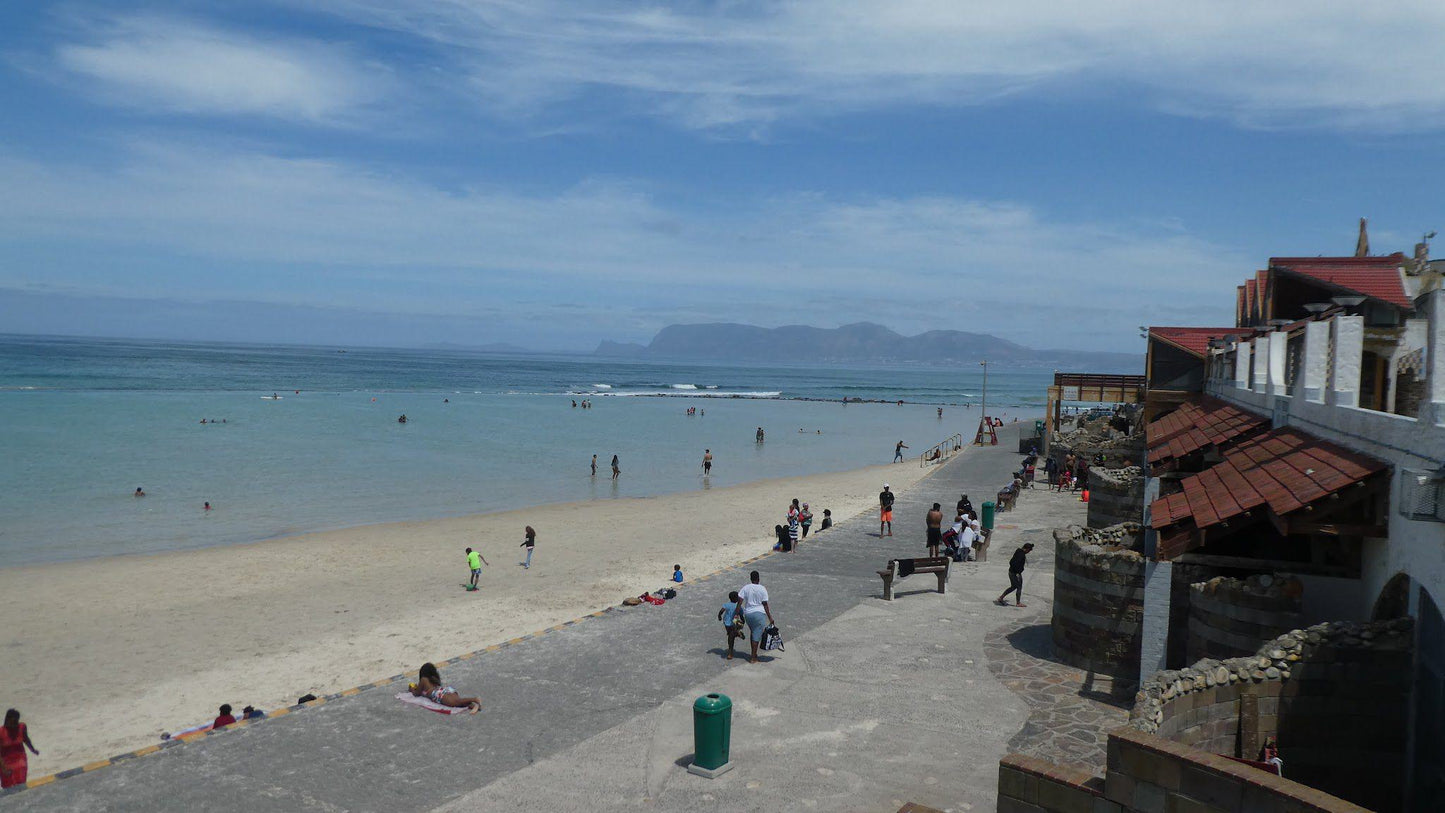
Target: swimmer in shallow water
(139,492)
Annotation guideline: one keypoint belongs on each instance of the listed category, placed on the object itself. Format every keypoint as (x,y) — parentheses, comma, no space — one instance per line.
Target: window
(1422,495)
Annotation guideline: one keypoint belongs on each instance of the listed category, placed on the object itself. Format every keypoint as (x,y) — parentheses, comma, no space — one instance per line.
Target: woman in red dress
(14,739)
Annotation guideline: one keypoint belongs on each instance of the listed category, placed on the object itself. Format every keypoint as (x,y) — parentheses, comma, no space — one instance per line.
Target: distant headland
(862,342)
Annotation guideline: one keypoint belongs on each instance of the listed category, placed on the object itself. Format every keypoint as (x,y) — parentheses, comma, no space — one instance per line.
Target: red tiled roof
(1281,471)
(1196,425)
(1376,277)
(1192,340)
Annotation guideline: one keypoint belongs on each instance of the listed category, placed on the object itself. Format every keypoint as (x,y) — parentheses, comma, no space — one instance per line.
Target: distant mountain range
(857,343)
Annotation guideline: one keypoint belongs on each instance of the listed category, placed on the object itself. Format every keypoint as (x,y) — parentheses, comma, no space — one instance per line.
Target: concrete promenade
(874,703)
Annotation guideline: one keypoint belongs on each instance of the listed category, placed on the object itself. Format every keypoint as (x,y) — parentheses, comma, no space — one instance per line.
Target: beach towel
(429,705)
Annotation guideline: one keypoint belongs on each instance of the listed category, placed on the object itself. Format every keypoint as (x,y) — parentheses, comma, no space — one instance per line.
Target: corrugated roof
(1281,471)
(1376,277)
(1192,340)
(1197,425)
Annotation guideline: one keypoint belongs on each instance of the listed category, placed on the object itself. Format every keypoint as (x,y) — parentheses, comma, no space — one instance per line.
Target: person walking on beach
(475,560)
(15,738)
(706,461)
(934,522)
(594,465)
(530,543)
(1016,577)
(615,469)
(756,610)
(898,452)
(885,512)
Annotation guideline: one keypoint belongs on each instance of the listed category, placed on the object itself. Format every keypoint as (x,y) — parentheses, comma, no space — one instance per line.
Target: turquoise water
(86,422)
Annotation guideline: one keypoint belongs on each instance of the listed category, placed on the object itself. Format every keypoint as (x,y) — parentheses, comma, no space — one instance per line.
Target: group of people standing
(585,404)
(1071,475)
(800,521)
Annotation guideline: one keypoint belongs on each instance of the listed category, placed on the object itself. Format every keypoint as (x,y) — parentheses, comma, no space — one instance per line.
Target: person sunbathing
(429,685)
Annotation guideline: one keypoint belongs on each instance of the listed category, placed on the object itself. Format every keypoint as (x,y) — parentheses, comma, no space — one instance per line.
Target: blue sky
(551,174)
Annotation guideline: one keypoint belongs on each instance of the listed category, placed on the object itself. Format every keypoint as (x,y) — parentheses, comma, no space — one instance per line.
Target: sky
(552,173)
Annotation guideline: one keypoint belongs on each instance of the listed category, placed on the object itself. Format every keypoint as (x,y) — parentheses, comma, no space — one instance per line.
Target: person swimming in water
(139,492)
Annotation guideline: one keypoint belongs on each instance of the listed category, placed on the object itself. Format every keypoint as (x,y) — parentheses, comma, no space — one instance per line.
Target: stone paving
(1071,709)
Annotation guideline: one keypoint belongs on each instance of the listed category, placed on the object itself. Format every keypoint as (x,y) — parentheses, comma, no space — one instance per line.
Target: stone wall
(1229,618)
(1334,695)
(1098,598)
(1115,495)
(1150,774)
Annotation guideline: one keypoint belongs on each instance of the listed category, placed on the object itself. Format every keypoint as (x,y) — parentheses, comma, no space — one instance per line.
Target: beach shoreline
(107,653)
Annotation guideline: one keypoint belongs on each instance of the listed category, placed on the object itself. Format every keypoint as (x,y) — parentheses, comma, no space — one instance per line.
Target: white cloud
(745,64)
(174,66)
(322,232)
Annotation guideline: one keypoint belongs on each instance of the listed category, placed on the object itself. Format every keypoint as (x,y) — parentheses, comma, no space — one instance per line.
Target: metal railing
(941,451)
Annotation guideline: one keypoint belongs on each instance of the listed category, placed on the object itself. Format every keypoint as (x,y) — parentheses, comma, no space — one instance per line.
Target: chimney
(1362,243)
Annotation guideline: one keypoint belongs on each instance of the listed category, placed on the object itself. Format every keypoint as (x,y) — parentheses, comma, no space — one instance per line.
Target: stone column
(1260,382)
(1433,410)
(1349,333)
(1315,363)
(1241,365)
(1278,347)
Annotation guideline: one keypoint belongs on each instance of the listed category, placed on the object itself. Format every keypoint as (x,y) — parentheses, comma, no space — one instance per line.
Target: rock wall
(1115,495)
(1229,618)
(1098,598)
(1334,695)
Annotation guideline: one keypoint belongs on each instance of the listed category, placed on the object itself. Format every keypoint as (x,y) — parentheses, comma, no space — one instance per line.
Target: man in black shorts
(1016,576)
(935,529)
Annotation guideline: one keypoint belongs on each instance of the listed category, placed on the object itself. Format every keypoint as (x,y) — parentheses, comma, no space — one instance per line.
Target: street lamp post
(983,416)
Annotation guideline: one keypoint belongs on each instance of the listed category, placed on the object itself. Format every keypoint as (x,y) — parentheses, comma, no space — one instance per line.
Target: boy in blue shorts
(732,617)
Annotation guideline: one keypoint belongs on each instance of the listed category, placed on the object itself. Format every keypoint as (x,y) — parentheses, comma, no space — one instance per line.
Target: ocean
(87,421)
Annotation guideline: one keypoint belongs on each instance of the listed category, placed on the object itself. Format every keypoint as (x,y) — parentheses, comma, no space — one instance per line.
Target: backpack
(772,639)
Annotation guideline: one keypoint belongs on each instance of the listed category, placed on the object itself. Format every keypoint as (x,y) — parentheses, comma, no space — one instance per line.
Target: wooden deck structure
(1090,387)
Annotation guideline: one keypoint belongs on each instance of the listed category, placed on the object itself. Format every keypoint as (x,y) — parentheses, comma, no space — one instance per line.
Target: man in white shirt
(754,599)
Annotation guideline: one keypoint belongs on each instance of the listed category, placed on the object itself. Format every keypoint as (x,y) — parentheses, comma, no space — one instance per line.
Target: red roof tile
(1197,425)
(1283,470)
(1192,340)
(1376,277)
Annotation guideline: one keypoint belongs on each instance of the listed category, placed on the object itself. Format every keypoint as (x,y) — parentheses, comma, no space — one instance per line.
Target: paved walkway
(542,696)
(873,704)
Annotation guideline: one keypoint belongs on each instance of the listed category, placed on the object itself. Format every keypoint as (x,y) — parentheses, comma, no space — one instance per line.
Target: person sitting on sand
(785,542)
(429,685)
(225,718)
(677,573)
(827,520)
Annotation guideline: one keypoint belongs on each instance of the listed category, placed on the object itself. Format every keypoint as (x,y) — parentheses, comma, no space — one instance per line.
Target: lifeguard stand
(985,425)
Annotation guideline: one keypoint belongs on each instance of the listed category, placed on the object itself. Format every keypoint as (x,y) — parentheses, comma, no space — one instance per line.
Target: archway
(1394,599)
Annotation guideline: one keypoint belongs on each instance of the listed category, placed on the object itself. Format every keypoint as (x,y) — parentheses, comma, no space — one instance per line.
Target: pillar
(1241,365)
(1349,333)
(1278,351)
(1315,364)
(1433,409)
(1260,380)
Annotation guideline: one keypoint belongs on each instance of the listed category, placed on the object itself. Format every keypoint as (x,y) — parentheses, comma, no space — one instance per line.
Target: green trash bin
(712,724)
(986,519)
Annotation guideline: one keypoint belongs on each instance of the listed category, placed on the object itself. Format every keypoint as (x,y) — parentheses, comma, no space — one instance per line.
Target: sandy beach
(104,655)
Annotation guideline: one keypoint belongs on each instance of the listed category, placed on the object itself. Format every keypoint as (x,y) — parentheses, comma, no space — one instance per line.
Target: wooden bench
(937,565)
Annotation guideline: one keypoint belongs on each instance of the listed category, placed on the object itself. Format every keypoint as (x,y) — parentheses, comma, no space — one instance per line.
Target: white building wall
(1414,547)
